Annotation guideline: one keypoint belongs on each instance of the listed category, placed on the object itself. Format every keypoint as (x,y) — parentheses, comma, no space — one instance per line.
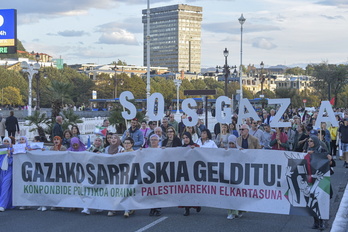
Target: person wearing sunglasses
(246,140)
(172,140)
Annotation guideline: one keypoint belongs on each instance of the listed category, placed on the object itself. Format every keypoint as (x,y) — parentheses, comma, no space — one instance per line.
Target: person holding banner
(57,144)
(315,146)
(67,135)
(221,139)
(188,142)
(246,140)
(172,140)
(206,140)
(6,152)
(154,143)
(98,146)
(135,134)
(115,145)
(279,140)
(76,145)
(128,147)
(114,148)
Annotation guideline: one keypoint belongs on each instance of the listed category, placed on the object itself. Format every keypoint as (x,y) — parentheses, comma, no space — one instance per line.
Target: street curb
(340,223)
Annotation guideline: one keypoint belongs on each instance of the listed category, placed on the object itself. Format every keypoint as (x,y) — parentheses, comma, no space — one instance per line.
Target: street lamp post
(241,21)
(37,58)
(177,83)
(31,70)
(115,80)
(262,78)
(226,69)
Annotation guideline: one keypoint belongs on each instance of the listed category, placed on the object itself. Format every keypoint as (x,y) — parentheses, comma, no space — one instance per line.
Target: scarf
(75,140)
(113,148)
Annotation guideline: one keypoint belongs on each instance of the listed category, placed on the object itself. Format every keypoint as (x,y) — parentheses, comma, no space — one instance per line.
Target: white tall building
(175,37)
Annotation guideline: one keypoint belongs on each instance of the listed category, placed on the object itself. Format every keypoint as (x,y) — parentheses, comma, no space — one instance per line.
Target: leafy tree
(37,120)
(14,79)
(11,96)
(295,71)
(60,91)
(330,78)
(70,119)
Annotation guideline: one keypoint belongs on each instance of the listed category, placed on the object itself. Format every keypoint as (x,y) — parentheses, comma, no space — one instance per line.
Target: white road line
(151,224)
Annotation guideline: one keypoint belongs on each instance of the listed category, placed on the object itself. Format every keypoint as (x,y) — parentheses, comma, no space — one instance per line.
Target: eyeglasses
(154,140)
(310,140)
(170,131)
(127,143)
(242,129)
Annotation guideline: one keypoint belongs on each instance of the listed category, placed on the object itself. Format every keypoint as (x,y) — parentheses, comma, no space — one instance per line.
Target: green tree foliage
(38,120)
(330,77)
(11,96)
(295,71)
(59,92)
(15,79)
(70,119)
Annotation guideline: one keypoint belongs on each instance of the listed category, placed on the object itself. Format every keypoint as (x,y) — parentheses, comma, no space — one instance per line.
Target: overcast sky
(287,32)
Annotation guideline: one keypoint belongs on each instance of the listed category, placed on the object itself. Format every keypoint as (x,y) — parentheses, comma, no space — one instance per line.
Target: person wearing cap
(343,135)
(135,134)
(2,126)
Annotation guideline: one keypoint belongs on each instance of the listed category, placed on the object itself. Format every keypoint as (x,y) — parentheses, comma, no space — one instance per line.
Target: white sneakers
(2,209)
(111,213)
(230,216)
(42,208)
(86,211)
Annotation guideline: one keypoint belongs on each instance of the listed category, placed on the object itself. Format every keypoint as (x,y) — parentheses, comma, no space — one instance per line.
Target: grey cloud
(263,43)
(72,33)
(338,3)
(332,17)
(228,27)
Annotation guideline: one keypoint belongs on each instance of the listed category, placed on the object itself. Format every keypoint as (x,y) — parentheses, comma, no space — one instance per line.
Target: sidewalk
(340,223)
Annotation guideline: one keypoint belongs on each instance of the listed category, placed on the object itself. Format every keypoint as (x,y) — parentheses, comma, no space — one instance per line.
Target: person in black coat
(172,139)
(12,125)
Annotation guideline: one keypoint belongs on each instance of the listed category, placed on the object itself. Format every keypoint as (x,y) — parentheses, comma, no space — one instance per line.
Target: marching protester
(192,131)
(279,140)
(97,146)
(154,143)
(114,148)
(57,144)
(221,139)
(188,142)
(128,147)
(135,134)
(6,159)
(67,135)
(75,131)
(172,140)
(206,140)
(247,141)
(314,146)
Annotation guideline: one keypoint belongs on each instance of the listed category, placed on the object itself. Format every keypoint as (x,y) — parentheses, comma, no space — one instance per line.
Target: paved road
(209,219)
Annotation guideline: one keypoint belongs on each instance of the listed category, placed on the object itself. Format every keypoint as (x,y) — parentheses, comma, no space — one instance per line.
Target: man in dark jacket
(57,128)
(12,125)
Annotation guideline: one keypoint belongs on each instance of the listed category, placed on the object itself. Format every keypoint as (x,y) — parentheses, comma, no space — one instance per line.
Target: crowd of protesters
(301,136)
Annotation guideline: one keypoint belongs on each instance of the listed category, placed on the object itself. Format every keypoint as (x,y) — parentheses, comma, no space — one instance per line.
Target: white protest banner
(253,180)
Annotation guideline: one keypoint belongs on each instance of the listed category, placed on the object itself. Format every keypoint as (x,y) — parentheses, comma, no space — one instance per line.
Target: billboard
(8,31)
